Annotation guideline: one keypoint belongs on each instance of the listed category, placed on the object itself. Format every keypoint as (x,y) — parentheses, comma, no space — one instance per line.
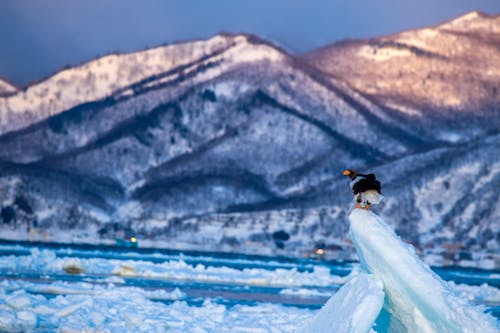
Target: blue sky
(39,37)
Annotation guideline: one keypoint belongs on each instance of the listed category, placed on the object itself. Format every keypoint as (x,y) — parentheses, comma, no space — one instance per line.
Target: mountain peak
(473,21)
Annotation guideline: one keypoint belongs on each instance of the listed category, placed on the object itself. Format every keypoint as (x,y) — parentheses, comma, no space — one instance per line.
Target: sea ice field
(62,288)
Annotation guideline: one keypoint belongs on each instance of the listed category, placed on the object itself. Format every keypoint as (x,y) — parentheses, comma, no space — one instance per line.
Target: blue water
(225,293)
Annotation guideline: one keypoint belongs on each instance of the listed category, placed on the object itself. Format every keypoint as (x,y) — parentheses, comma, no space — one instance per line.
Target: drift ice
(416,299)
(413,300)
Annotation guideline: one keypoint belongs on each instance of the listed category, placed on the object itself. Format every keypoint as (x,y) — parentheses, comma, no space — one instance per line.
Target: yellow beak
(346,172)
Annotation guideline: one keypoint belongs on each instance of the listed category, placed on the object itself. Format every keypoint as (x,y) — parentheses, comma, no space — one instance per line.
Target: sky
(37,38)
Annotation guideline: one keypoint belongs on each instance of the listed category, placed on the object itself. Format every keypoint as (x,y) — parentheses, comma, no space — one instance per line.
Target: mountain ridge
(139,66)
(414,62)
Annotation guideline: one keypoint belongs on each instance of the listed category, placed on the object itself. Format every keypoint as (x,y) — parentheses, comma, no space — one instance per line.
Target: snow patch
(403,108)
(487,177)
(419,38)
(379,54)
(451,137)
(7,88)
(230,89)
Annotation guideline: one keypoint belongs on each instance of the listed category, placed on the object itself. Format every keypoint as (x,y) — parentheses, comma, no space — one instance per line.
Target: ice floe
(416,299)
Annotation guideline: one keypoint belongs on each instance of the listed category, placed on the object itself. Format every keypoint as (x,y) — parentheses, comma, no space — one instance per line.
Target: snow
(426,38)
(483,293)
(422,39)
(7,88)
(107,72)
(353,309)
(473,21)
(404,108)
(416,298)
(246,52)
(433,207)
(488,176)
(451,137)
(230,90)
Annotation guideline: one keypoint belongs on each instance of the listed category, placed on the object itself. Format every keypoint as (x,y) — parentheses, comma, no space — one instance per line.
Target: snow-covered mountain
(104,76)
(448,71)
(231,142)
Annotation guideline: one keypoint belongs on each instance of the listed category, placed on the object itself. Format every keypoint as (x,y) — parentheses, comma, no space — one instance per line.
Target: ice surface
(46,261)
(118,309)
(353,309)
(417,300)
(482,294)
(96,300)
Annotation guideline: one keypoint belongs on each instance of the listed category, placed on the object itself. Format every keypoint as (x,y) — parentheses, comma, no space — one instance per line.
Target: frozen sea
(50,287)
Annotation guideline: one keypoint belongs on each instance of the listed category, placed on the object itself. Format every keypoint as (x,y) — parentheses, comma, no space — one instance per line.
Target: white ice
(353,309)
(92,308)
(46,261)
(417,300)
(111,306)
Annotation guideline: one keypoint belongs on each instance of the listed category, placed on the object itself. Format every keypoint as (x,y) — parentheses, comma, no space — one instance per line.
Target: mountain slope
(451,70)
(443,201)
(100,78)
